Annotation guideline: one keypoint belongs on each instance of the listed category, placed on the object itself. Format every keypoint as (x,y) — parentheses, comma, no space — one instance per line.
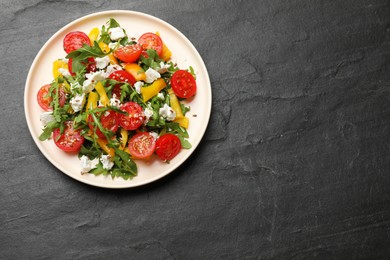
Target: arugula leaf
(80,55)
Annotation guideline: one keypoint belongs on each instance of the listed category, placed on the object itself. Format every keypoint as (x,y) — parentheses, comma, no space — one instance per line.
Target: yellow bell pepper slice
(183,121)
(104,47)
(113,59)
(103,144)
(165,53)
(150,91)
(175,105)
(102,93)
(58,64)
(135,70)
(124,137)
(93,35)
(92,101)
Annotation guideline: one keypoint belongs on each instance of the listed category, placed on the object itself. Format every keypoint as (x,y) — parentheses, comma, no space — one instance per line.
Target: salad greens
(88,93)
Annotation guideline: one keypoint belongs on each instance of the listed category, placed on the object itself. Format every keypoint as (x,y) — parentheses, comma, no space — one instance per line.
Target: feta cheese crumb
(92,79)
(64,72)
(163,67)
(114,102)
(116,33)
(138,86)
(107,163)
(111,68)
(113,45)
(151,75)
(101,63)
(77,102)
(161,96)
(148,113)
(87,164)
(167,112)
(154,134)
(46,117)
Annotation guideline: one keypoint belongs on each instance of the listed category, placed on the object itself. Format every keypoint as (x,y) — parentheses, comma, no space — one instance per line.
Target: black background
(294,163)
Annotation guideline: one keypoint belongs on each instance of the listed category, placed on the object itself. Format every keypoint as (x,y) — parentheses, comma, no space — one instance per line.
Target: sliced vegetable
(142,145)
(150,91)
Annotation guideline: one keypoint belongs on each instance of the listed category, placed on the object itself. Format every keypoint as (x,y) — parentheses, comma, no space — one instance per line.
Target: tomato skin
(109,121)
(183,84)
(122,76)
(142,145)
(43,99)
(168,146)
(70,140)
(128,53)
(75,40)
(150,41)
(134,116)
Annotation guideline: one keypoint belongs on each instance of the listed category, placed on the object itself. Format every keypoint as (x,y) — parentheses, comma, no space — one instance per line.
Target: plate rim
(128,183)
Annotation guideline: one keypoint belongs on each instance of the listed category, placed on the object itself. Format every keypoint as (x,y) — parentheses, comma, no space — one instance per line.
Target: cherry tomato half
(122,76)
(168,146)
(150,41)
(142,145)
(109,121)
(128,53)
(70,140)
(44,99)
(183,84)
(133,118)
(75,40)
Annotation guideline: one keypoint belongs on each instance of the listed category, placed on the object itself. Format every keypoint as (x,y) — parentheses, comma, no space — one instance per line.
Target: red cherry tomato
(109,121)
(150,41)
(133,118)
(70,140)
(168,146)
(128,53)
(183,84)
(123,76)
(142,145)
(43,98)
(75,40)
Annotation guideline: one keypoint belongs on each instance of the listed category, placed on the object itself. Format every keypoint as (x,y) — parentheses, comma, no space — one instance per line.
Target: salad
(116,99)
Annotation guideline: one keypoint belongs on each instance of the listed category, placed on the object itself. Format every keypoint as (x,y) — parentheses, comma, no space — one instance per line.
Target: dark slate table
(294,164)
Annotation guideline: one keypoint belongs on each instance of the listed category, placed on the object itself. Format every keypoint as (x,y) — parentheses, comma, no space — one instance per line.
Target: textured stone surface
(295,163)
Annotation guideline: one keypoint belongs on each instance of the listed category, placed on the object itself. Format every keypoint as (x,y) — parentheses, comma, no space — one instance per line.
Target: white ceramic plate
(135,23)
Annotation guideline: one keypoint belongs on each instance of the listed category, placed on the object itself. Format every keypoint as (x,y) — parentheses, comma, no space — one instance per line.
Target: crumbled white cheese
(167,112)
(151,75)
(114,102)
(92,79)
(107,163)
(160,96)
(64,72)
(101,63)
(87,164)
(148,113)
(163,67)
(114,45)
(64,60)
(154,134)
(116,33)
(77,102)
(138,86)
(111,68)
(46,117)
